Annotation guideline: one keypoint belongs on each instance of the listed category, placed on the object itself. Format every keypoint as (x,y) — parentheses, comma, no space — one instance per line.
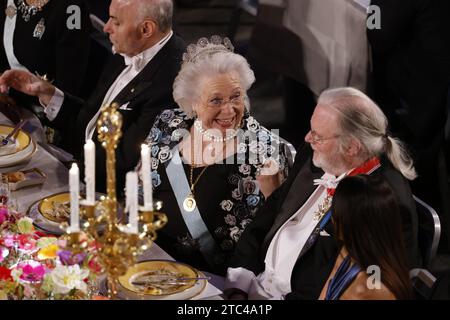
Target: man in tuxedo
(139,79)
(289,246)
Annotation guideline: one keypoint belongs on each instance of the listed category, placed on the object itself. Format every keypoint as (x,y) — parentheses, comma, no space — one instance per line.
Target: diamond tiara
(207,47)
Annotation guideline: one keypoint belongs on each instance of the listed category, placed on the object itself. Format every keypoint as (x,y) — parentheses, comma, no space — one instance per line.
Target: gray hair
(159,10)
(362,119)
(186,91)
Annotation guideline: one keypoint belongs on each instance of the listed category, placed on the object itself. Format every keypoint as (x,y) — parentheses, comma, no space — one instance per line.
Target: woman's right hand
(27,83)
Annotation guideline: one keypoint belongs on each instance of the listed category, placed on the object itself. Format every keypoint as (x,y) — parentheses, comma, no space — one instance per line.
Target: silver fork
(13,133)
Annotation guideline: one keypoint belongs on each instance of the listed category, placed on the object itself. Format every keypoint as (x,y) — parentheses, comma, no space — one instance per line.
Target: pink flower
(26,242)
(4,214)
(32,271)
(8,240)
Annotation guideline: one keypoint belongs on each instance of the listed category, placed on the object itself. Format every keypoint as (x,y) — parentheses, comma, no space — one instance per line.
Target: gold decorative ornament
(10,11)
(189,203)
(30,8)
(323,208)
(118,248)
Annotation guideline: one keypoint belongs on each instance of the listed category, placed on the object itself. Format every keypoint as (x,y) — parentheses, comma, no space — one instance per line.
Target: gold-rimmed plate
(56,208)
(161,290)
(45,218)
(22,149)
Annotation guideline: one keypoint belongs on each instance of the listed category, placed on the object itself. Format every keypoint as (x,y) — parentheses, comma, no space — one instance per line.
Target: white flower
(25,225)
(176,135)
(245,169)
(164,154)
(175,122)
(257,147)
(226,205)
(271,150)
(235,233)
(154,163)
(241,148)
(252,124)
(66,278)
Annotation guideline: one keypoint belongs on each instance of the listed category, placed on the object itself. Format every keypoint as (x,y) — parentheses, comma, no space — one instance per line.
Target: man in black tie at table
(290,246)
(139,79)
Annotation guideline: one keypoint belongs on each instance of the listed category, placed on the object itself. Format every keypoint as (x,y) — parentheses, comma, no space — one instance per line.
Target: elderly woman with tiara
(213,165)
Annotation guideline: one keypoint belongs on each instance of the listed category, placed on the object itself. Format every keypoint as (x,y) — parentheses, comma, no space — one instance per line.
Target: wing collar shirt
(134,65)
(284,249)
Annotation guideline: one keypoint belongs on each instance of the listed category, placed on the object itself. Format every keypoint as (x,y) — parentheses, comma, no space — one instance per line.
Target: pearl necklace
(210,136)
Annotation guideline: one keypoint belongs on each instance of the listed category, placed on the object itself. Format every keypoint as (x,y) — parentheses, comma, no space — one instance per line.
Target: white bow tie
(329,181)
(135,61)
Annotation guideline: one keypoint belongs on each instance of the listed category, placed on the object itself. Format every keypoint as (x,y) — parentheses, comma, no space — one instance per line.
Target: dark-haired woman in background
(370,238)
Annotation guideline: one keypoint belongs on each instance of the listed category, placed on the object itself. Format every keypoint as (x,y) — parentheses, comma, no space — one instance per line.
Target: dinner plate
(19,151)
(43,217)
(162,290)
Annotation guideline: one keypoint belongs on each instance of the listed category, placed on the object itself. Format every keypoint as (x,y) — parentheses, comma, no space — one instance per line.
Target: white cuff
(239,278)
(54,105)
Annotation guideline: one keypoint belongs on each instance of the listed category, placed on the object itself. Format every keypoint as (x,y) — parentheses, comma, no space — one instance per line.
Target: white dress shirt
(275,281)
(134,65)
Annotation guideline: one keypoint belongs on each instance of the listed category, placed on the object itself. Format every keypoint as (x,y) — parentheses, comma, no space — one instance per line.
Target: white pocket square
(125,107)
(323,233)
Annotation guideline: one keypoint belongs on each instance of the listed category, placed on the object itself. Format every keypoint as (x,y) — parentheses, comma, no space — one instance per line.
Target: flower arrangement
(34,265)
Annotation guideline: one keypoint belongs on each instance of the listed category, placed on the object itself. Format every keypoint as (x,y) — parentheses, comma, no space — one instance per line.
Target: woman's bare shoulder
(360,290)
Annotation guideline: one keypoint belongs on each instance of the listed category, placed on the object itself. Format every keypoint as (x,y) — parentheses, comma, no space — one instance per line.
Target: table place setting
(79,244)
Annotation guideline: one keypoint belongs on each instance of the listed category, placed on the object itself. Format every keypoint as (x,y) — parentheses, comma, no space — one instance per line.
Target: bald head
(136,25)
(160,11)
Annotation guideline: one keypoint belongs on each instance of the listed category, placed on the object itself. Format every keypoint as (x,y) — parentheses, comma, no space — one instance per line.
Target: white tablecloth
(57,181)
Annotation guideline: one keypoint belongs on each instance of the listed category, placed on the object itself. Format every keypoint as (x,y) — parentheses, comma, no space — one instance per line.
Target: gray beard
(336,169)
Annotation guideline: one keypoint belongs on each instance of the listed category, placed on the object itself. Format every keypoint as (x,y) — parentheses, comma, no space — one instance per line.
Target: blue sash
(316,232)
(193,220)
(342,279)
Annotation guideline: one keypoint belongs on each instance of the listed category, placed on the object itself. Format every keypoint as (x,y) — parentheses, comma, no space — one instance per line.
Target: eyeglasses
(235,100)
(318,140)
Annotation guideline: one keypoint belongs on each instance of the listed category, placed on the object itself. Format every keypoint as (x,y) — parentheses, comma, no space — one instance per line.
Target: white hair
(161,11)
(186,88)
(362,119)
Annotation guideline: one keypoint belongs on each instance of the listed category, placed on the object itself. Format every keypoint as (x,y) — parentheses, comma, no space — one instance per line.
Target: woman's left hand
(270,177)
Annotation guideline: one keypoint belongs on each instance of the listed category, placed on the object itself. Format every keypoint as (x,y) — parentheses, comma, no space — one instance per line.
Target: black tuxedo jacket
(313,266)
(61,53)
(146,96)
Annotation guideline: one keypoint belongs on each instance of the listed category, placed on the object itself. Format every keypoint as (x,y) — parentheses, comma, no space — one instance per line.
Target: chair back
(423,283)
(429,231)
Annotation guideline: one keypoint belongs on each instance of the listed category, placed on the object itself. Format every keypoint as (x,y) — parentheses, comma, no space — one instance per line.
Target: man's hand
(27,83)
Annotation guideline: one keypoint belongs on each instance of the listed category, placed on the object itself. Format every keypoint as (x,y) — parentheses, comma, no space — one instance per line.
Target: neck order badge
(366,168)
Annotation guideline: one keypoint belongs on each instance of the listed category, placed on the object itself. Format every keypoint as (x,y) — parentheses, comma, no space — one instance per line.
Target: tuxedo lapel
(144,78)
(300,190)
(131,91)
(113,71)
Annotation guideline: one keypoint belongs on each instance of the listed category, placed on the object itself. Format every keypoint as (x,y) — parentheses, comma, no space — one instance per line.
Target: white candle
(132,201)
(89,171)
(74,185)
(146,177)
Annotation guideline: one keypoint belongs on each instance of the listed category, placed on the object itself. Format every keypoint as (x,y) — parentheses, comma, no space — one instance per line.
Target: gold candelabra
(118,249)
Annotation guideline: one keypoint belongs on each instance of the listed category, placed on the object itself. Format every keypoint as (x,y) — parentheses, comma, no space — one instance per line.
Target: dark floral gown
(228,195)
